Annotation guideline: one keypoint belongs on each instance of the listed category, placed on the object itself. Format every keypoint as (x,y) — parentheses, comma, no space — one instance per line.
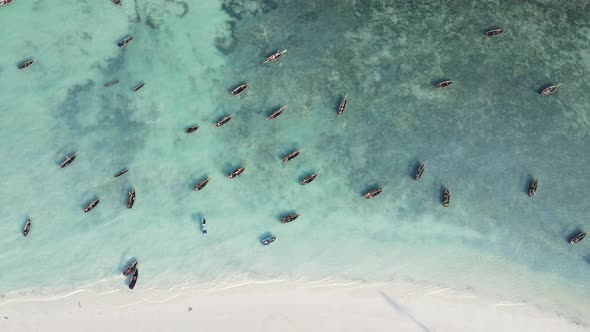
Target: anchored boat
(275,56)
(239,89)
(68,160)
(309,179)
(92,205)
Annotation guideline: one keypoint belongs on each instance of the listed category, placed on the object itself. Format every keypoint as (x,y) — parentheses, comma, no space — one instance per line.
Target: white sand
(278,306)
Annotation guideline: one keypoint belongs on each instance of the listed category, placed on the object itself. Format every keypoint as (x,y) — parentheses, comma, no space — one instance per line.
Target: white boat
(204,226)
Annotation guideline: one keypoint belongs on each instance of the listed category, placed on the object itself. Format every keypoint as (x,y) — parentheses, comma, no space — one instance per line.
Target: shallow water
(486,137)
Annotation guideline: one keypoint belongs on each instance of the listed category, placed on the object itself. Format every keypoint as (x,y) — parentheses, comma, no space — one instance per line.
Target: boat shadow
(197,217)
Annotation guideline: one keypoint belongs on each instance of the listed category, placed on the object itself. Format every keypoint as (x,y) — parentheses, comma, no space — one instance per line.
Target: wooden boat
(446,197)
(309,179)
(373,192)
(292,155)
(237,172)
(268,240)
(549,90)
(130,268)
(533,187)
(131,199)
(68,160)
(289,218)
(133,280)
(223,121)
(444,84)
(276,113)
(26,64)
(204,226)
(275,56)
(121,172)
(419,172)
(191,130)
(138,87)
(577,238)
(27,228)
(111,83)
(117,2)
(493,32)
(6,2)
(92,205)
(342,105)
(239,89)
(201,184)
(125,42)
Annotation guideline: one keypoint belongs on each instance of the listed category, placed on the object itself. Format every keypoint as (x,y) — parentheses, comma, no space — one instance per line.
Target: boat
(533,187)
(342,105)
(27,228)
(419,172)
(111,83)
(92,205)
(237,172)
(275,56)
(26,64)
(446,197)
(268,240)
(6,2)
(138,87)
(121,172)
(549,90)
(577,238)
(68,160)
(117,2)
(130,268)
(444,84)
(309,179)
(223,121)
(131,199)
(239,89)
(133,280)
(276,113)
(292,155)
(204,226)
(373,192)
(289,218)
(202,184)
(191,130)
(493,32)
(125,42)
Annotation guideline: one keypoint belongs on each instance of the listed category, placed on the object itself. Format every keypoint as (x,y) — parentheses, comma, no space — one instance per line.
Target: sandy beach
(276,305)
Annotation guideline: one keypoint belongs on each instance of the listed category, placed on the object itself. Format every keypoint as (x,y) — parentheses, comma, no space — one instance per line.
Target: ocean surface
(486,137)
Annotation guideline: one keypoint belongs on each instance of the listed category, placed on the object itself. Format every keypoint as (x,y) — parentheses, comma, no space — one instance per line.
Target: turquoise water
(485,137)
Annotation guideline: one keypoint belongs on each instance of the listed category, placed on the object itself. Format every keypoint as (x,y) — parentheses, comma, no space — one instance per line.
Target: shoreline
(332,305)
